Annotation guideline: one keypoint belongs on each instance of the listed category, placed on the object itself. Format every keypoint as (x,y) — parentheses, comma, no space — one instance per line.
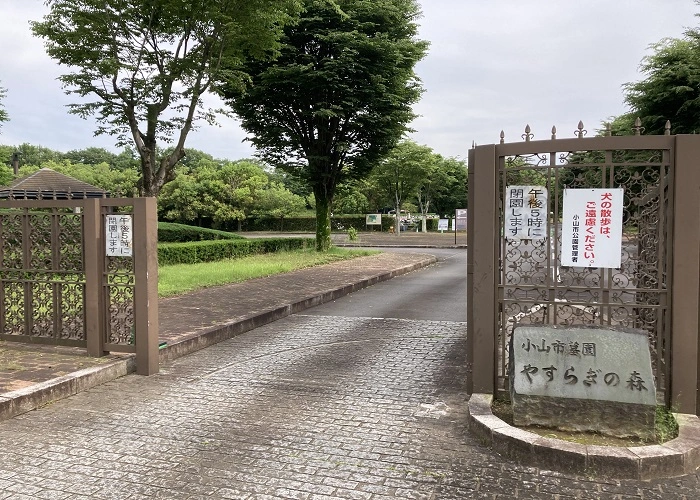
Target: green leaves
(339,95)
(141,67)
(671,89)
(413,173)
(225,193)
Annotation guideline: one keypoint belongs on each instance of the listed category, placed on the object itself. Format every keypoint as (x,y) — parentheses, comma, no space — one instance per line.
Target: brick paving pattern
(307,407)
(185,316)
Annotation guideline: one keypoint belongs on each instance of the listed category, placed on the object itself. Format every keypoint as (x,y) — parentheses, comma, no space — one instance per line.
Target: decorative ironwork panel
(12,319)
(42,307)
(535,288)
(40,254)
(71,242)
(11,241)
(71,293)
(42,282)
(119,292)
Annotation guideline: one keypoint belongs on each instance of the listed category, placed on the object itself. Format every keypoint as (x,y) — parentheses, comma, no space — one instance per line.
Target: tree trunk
(398,220)
(145,184)
(424,224)
(323,222)
(155,174)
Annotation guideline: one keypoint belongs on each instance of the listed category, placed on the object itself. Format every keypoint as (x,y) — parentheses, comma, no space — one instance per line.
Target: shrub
(212,251)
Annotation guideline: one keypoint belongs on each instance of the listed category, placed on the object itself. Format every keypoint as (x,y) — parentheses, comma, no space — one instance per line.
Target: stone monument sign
(583,379)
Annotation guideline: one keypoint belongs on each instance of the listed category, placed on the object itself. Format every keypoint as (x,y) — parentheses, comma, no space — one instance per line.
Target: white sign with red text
(592,228)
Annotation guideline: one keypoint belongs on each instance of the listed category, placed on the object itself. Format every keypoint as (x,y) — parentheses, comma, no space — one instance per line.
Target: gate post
(92,251)
(481,270)
(470,272)
(685,305)
(146,285)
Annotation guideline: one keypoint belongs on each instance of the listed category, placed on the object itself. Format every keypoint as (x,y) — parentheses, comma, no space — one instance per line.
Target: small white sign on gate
(592,228)
(525,213)
(119,235)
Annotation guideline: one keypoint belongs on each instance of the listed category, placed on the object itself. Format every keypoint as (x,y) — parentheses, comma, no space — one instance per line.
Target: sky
(492,65)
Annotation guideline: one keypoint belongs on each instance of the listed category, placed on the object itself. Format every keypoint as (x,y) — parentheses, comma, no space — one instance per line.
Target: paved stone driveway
(308,407)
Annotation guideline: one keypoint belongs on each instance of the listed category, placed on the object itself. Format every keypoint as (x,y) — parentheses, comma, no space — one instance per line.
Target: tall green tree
(91,156)
(351,197)
(451,187)
(670,89)
(145,65)
(235,190)
(222,195)
(338,97)
(30,154)
(403,174)
(277,201)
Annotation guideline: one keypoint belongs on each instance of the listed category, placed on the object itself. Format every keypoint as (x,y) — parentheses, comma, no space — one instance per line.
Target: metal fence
(522,281)
(58,286)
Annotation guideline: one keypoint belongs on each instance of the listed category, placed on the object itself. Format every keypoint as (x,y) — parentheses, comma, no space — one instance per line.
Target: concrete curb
(35,396)
(673,458)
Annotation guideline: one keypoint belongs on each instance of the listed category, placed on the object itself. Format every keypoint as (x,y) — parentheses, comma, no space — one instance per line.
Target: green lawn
(182,278)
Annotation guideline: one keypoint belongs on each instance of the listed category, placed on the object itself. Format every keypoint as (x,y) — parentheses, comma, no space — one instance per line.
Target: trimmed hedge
(212,251)
(169,232)
(308,224)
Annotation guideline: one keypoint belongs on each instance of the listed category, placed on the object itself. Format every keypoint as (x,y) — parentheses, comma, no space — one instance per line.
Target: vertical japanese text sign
(592,228)
(119,229)
(526,213)
(460,219)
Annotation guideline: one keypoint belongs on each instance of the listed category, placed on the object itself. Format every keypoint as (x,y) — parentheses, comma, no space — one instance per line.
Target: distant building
(47,184)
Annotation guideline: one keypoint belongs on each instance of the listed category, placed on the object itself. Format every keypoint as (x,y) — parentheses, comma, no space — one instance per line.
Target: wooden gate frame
(483,253)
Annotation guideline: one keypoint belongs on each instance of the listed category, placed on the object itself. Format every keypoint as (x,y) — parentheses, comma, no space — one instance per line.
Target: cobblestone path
(309,407)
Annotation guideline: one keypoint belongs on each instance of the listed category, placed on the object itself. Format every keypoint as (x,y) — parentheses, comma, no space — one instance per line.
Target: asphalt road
(436,294)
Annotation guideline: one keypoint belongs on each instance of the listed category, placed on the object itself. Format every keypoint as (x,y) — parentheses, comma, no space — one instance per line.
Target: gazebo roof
(47,184)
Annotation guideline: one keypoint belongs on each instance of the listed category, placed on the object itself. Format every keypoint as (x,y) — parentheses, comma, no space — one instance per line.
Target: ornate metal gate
(57,286)
(529,283)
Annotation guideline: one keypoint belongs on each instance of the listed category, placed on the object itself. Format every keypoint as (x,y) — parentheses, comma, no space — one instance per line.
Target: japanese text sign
(592,228)
(525,213)
(583,363)
(119,235)
(460,219)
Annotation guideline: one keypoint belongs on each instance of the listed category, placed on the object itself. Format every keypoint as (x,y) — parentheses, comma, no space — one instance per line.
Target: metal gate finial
(638,129)
(554,132)
(503,137)
(608,130)
(527,135)
(580,132)
(667,128)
